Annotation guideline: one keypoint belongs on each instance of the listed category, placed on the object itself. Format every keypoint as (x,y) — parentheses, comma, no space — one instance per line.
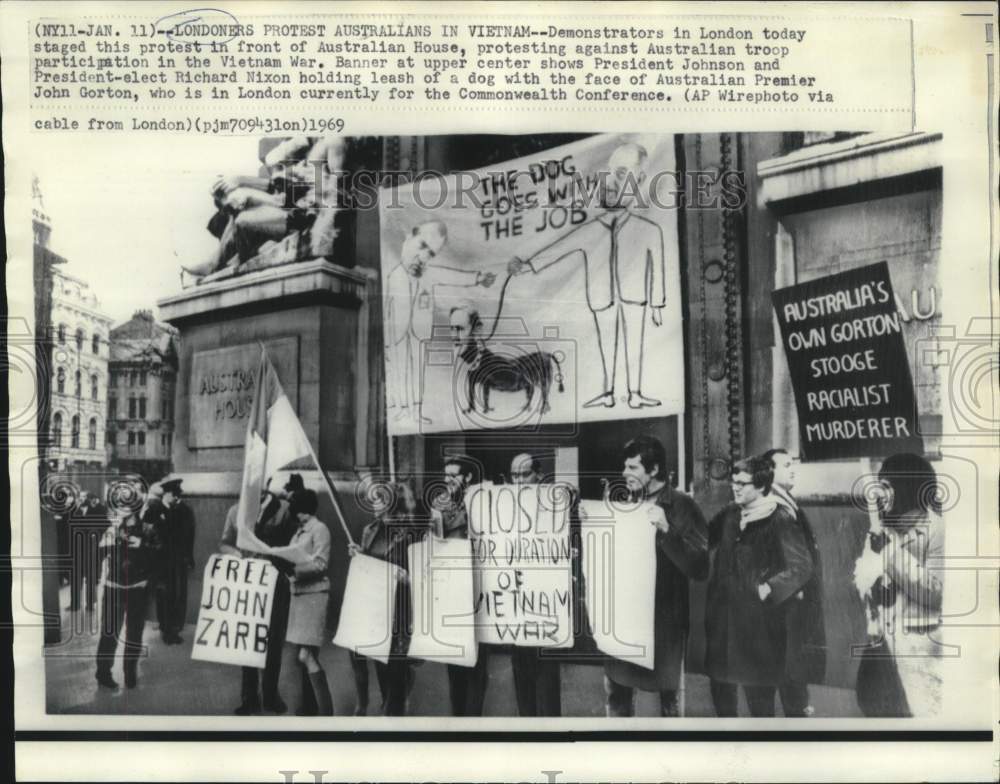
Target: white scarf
(784,498)
(763,507)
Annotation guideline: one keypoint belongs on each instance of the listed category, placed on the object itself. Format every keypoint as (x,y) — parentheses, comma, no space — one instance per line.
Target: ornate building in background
(140,410)
(78,384)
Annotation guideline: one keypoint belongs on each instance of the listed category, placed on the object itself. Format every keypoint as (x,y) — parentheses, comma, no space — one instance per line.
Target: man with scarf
(761,561)
(806,652)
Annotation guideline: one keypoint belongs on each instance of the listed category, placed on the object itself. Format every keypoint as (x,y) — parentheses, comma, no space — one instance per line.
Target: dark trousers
(536,682)
(760,699)
(171,599)
(395,682)
(85,566)
(268,677)
(794,699)
(467,686)
(121,606)
(621,700)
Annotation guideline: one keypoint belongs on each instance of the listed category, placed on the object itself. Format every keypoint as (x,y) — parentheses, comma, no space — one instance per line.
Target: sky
(125,214)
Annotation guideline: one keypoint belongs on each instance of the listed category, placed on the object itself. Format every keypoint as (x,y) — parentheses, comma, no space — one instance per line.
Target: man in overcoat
(806,655)
(176,532)
(760,562)
(681,556)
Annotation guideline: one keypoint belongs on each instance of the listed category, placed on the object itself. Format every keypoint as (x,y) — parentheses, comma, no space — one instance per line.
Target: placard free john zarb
(234,617)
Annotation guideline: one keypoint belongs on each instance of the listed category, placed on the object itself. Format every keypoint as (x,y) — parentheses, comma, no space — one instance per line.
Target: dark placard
(851,378)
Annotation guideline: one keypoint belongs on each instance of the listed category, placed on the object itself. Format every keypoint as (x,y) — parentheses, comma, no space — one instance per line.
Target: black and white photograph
(544,431)
(540,391)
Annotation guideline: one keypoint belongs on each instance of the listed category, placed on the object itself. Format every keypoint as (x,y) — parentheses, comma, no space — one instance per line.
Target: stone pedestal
(313,317)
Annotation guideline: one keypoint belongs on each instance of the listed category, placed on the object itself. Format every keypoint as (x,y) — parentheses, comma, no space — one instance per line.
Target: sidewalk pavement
(171,683)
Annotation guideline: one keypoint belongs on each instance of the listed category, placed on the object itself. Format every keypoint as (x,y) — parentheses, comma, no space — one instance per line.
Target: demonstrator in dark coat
(806,651)
(681,556)
(760,562)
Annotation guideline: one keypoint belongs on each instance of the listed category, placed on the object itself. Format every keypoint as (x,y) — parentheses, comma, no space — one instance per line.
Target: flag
(275,441)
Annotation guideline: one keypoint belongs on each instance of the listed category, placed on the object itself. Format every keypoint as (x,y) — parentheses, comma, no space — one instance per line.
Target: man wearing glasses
(761,562)
(806,658)
(466,685)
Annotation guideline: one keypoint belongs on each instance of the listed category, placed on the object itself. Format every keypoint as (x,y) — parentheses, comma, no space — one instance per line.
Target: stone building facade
(141,384)
(815,204)
(78,387)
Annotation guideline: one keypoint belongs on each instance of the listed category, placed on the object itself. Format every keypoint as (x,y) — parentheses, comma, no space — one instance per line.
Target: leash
(496,318)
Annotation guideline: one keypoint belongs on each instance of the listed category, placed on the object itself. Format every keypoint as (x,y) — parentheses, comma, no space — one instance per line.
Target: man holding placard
(681,556)
(466,685)
(275,528)
(536,679)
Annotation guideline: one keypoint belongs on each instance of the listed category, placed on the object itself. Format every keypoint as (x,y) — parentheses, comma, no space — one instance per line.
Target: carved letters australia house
(705,371)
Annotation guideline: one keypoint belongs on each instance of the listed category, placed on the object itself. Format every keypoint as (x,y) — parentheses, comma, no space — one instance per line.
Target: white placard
(234,617)
(619,567)
(521,552)
(369,605)
(441,590)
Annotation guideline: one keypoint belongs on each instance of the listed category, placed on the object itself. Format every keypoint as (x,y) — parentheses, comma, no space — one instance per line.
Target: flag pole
(333,493)
(312,454)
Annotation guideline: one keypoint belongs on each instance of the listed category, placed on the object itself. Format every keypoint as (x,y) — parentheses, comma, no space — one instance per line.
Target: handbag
(879,688)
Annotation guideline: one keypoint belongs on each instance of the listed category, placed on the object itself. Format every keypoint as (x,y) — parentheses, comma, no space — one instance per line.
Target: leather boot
(321,690)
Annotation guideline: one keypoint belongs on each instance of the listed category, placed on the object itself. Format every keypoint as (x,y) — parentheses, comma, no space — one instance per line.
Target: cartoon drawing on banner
(622,255)
(487,370)
(410,309)
(501,283)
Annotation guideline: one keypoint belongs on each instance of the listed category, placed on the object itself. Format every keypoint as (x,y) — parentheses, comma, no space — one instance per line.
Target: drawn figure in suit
(623,260)
(409,313)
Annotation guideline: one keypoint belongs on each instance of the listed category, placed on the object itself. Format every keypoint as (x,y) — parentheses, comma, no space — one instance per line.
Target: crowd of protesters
(763,615)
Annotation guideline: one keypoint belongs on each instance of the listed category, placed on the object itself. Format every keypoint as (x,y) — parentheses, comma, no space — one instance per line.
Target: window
(77,384)
(95,344)
(112,407)
(109,437)
(131,442)
(62,334)
(142,408)
(142,378)
(74,436)
(93,387)
(92,434)
(57,430)
(61,381)
(141,443)
(131,378)
(165,406)
(131,408)
(79,340)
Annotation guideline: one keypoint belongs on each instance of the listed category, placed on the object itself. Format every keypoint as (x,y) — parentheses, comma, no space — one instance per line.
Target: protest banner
(847,360)
(368,608)
(523,568)
(234,617)
(473,341)
(441,592)
(619,570)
